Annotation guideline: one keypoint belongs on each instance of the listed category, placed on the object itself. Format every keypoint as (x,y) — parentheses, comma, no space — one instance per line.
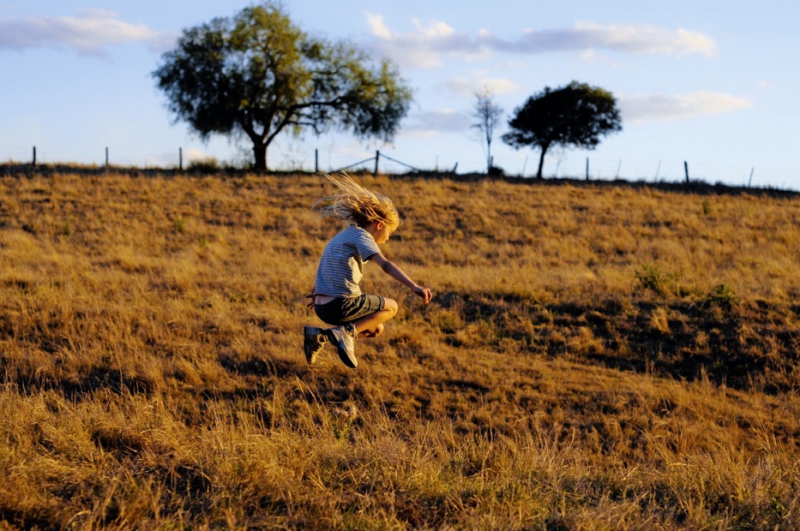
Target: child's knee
(390,305)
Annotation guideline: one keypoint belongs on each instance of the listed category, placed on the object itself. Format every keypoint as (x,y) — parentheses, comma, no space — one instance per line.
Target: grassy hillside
(595,357)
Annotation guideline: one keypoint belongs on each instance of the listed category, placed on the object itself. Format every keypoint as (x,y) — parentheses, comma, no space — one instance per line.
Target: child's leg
(374,332)
(372,325)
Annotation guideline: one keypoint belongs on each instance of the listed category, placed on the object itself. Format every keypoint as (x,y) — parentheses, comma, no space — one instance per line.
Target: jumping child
(336,297)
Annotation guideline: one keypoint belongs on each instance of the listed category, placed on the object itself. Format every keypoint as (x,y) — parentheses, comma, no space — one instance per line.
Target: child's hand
(424,292)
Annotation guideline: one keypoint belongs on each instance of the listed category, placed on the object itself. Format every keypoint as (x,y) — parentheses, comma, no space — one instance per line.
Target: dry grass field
(595,357)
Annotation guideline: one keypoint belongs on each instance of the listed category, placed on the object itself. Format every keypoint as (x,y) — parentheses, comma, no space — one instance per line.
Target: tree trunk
(541,163)
(260,153)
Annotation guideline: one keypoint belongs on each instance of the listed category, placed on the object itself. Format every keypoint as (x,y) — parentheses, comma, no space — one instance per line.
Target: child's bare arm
(398,274)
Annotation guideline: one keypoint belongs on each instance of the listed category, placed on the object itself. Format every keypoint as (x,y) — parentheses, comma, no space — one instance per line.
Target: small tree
(487,115)
(258,74)
(576,114)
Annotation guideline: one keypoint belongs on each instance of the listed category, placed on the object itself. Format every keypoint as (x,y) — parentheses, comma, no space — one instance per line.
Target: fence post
(750,181)
(587,168)
(34,155)
(106,157)
(686,169)
(180,159)
(316,161)
(377,157)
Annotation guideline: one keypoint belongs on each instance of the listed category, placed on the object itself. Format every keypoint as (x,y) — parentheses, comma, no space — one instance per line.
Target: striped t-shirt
(342,264)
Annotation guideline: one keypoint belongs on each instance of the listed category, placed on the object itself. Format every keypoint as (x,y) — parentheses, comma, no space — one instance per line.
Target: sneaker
(313,340)
(344,338)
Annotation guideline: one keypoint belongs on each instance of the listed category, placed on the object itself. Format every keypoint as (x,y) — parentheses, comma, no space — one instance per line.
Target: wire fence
(33,156)
(564,165)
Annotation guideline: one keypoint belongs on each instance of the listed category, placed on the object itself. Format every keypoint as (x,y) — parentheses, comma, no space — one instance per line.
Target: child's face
(381,232)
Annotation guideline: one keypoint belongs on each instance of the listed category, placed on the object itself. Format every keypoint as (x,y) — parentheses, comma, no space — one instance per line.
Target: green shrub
(653,279)
(722,296)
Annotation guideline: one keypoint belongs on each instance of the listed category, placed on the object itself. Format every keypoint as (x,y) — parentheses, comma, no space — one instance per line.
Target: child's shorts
(344,310)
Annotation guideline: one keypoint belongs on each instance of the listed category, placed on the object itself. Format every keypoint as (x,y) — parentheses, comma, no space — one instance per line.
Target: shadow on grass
(329,387)
(742,346)
(264,367)
(36,518)
(83,387)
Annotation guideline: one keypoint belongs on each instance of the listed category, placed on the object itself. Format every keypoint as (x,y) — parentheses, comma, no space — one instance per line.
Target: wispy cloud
(468,87)
(662,107)
(91,33)
(423,47)
(427,44)
(630,38)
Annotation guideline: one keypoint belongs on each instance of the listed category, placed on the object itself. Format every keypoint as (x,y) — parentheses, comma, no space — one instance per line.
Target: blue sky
(710,83)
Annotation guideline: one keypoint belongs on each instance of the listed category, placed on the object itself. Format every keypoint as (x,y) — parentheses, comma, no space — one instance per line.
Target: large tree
(258,74)
(575,114)
(487,115)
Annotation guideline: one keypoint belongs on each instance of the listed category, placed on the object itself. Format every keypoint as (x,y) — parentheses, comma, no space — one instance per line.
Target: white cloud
(427,44)
(765,85)
(197,155)
(468,87)
(662,107)
(424,47)
(379,29)
(91,32)
(631,38)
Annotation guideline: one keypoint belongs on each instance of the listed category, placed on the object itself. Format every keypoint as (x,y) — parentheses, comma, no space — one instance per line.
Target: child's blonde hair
(357,204)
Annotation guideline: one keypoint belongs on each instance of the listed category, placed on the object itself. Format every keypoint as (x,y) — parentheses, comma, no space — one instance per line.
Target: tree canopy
(259,75)
(576,114)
